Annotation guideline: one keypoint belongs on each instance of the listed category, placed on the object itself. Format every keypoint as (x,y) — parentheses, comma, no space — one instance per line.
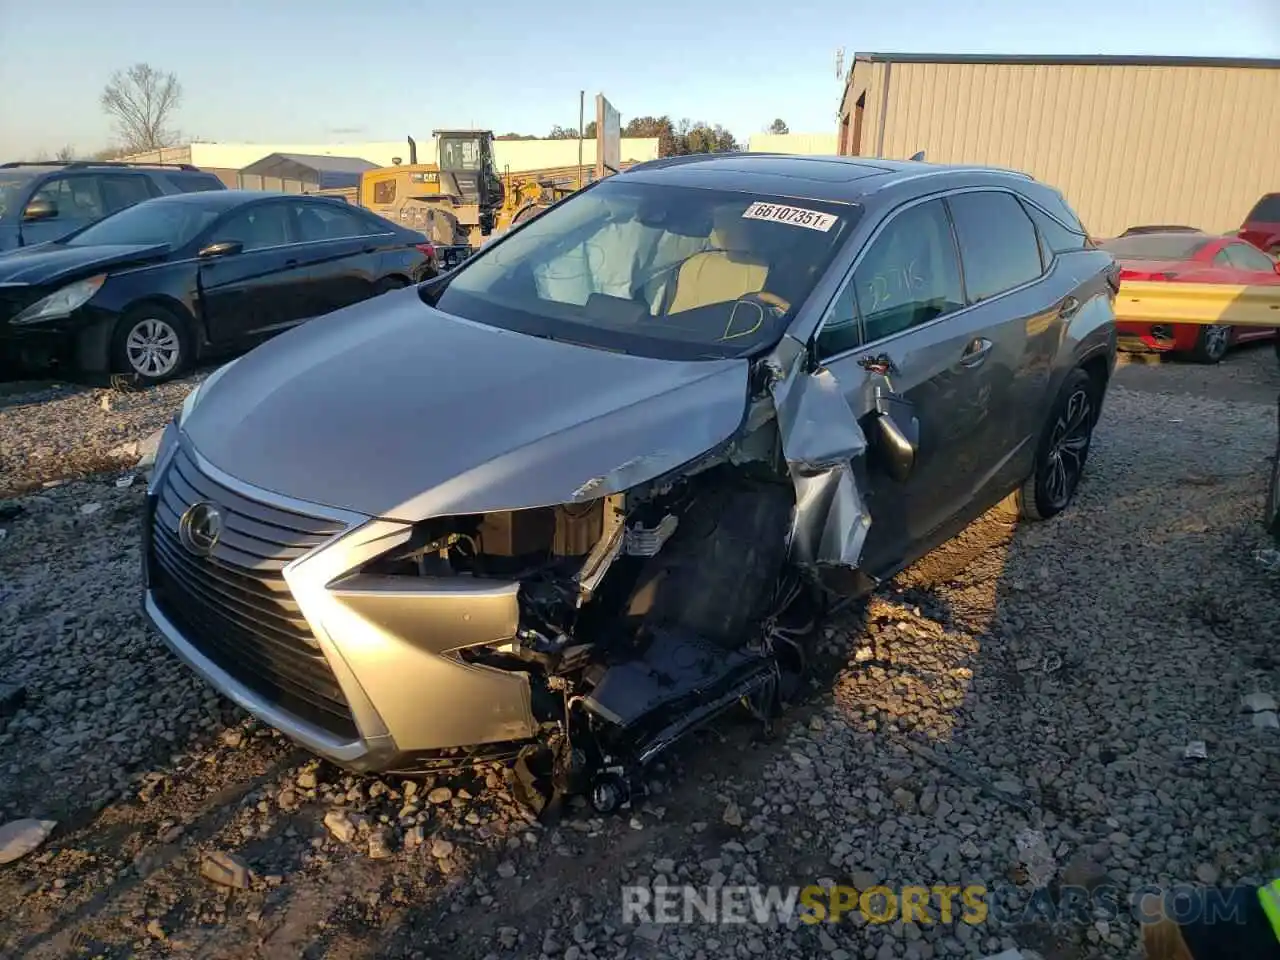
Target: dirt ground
(1041,699)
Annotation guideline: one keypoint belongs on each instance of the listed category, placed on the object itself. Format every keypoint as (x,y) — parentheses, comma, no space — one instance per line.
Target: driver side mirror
(223,248)
(40,208)
(897,433)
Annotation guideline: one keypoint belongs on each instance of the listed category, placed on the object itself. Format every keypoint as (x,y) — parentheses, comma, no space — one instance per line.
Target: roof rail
(80,164)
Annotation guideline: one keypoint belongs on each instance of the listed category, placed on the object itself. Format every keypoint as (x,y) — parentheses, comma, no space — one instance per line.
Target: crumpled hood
(393,409)
(49,263)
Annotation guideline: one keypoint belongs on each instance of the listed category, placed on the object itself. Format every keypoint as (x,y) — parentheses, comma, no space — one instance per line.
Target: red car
(1191,257)
(1262,225)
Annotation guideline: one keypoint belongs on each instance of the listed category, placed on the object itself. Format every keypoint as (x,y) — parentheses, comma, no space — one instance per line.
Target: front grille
(234,606)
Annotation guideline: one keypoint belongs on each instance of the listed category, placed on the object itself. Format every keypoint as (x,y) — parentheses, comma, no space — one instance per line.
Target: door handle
(1069,307)
(975,352)
(291,263)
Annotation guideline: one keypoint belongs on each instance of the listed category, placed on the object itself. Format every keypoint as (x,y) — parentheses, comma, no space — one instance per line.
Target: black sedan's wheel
(152,344)
(1212,343)
(1063,450)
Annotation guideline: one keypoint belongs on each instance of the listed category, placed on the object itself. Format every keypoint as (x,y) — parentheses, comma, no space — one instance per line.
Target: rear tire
(1212,343)
(1062,452)
(151,344)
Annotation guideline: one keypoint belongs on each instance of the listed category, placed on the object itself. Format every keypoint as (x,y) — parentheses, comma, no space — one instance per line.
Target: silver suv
(580,495)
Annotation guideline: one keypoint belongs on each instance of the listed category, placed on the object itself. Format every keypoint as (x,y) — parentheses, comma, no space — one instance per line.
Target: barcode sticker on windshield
(795,216)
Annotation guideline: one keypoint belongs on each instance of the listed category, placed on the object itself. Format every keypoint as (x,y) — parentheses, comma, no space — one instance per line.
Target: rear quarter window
(193,182)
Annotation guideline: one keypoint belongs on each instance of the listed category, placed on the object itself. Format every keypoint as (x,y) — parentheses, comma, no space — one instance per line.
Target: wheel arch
(1099,370)
(167,303)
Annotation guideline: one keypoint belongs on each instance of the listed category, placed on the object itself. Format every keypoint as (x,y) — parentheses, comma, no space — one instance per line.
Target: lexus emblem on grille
(200,528)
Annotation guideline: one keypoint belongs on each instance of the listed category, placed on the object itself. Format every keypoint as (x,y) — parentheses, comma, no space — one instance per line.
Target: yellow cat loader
(455,201)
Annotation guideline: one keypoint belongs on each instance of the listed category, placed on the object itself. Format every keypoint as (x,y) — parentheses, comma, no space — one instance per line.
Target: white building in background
(820,144)
(226,159)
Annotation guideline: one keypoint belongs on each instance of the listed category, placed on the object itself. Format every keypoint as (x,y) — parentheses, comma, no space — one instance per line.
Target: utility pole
(582,119)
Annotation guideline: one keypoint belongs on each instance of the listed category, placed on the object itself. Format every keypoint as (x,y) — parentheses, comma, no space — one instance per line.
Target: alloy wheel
(153,348)
(1068,448)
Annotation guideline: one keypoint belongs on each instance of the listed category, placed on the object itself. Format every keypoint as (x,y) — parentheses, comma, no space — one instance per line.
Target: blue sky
(341,70)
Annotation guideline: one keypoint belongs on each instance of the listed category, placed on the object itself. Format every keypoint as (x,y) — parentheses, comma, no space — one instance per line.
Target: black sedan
(153,288)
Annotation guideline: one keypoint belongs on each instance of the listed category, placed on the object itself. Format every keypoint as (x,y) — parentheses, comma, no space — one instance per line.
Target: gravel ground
(51,431)
(1026,719)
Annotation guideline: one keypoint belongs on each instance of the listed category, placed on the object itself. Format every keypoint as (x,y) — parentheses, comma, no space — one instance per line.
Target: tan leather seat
(722,274)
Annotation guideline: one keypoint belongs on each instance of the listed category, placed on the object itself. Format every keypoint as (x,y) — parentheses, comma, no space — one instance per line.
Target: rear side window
(998,243)
(124,190)
(1267,210)
(384,191)
(322,221)
(193,182)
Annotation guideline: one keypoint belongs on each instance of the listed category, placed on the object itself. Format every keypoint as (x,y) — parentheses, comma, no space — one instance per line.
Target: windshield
(174,222)
(459,154)
(1156,246)
(11,189)
(671,272)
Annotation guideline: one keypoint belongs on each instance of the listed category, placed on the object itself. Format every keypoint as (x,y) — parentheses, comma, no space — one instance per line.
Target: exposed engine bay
(643,615)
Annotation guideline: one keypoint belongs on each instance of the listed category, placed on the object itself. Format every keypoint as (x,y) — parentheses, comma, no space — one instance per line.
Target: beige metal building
(1129,140)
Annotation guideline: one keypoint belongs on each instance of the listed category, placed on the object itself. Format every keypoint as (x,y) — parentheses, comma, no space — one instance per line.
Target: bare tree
(142,100)
(67,152)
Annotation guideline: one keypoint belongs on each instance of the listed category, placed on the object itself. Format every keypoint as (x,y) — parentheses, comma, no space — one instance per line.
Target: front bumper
(363,670)
(82,340)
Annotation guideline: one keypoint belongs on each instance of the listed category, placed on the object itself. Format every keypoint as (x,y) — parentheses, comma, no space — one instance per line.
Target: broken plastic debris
(1259,701)
(1196,750)
(1266,720)
(1268,559)
(20,837)
(89,509)
(123,483)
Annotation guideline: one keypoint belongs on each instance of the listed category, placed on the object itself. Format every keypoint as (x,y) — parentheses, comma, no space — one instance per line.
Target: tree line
(674,138)
(143,101)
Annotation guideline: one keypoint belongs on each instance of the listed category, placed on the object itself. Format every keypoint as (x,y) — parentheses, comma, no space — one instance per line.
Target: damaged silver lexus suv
(586,491)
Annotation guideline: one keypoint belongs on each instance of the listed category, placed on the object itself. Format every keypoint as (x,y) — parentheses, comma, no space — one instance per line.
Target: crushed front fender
(820,439)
